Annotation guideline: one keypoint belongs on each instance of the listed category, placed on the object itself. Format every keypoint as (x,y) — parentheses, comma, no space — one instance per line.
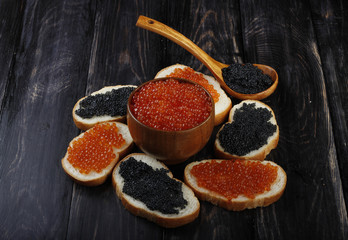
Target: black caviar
(112,103)
(151,186)
(249,130)
(246,78)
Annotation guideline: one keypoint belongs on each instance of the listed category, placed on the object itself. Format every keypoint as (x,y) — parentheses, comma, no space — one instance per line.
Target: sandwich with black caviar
(147,189)
(105,105)
(250,133)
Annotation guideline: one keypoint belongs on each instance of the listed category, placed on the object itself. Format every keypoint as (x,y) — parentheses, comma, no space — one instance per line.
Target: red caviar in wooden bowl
(94,150)
(170,119)
(232,178)
(190,74)
(171,105)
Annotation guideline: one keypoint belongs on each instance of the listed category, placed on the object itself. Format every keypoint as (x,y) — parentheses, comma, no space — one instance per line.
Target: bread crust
(163,220)
(222,109)
(93,178)
(259,154)
(85,124)
(241,203)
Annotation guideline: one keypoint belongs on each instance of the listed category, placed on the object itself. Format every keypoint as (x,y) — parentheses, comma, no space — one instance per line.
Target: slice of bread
(224,103)
(120,103)
(154,199)
(250,134)
(94,178)
(241,202)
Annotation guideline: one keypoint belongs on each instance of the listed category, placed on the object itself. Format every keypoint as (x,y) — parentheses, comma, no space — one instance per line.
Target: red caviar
(171,105)
(94,150)
(190,74)
(234,178)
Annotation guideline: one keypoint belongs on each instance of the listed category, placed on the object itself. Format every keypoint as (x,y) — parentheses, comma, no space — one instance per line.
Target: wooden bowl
(260,95)
(171,147)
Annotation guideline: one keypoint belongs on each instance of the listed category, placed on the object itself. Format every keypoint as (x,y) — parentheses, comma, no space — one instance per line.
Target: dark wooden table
(54,52)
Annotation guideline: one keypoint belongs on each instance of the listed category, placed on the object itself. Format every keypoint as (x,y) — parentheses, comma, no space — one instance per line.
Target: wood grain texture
(225,46)
(55,52)
(119,55)
(36,122)
(306,148)
(330,28)
(11,13)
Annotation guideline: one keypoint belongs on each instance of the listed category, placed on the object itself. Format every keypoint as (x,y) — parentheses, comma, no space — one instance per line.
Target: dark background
(54,52)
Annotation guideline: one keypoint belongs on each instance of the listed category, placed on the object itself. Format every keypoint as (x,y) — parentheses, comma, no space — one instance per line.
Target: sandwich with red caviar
(222,102)
(93,154)
(236,184)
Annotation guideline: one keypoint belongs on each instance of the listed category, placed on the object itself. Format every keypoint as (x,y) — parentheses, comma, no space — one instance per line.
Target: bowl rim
(211,115)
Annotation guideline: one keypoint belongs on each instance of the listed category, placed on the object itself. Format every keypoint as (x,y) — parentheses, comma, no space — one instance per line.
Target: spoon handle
(165,31)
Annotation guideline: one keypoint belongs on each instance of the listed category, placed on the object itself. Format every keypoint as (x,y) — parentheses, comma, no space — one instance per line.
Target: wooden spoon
(213,65)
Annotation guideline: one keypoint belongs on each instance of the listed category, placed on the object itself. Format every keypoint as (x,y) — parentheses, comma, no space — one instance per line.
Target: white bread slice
(222,106)
(241,202)
(94,178)
(138,208)
(258,154)
(87,123)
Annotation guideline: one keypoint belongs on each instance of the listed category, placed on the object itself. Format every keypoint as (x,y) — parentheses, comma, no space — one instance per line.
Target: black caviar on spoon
(214,66)
(246,78)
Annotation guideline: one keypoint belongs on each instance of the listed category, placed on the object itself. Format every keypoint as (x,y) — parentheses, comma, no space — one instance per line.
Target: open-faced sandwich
(93,154)
(147,188)
(105,105)
(222,102)
(236,184)
(251,132)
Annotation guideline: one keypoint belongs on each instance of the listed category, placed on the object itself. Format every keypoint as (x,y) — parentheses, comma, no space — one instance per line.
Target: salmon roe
(190,74)
(94,150)
(233,178)
(171,105)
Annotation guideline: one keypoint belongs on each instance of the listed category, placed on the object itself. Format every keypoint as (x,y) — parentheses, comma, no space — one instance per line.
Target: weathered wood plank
(215,27)
(329,19)
(11,13)
(55,52)
(122,53)
(50,68)
(119,55)
(282,35)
